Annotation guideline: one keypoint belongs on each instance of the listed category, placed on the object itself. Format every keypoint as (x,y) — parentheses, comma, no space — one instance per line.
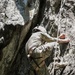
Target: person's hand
(62,36)
(66,40)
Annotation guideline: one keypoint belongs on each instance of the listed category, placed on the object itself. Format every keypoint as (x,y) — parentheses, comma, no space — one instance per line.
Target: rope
(57,48)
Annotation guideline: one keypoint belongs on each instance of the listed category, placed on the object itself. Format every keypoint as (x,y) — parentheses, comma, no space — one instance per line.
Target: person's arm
(66,40)
(48,38)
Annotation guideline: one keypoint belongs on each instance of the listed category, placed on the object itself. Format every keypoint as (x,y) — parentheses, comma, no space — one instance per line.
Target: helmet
(40,28)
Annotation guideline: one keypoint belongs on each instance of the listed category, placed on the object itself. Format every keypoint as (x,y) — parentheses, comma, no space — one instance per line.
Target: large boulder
(16,19)
(59,17)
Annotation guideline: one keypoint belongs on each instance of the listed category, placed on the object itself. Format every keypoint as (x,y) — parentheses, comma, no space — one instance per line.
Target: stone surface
(57,16)
(16,19)
(16,12)
(64,19)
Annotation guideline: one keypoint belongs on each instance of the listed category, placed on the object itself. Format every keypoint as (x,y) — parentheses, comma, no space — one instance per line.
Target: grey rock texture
(13,15)
(18,17)
(9,12)
(59,17)
(14,12)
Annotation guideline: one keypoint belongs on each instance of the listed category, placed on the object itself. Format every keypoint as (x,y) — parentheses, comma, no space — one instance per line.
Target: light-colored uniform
(41,45)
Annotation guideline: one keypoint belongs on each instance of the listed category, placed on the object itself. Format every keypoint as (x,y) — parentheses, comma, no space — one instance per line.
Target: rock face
(16,12)
(59,17)
(18,17)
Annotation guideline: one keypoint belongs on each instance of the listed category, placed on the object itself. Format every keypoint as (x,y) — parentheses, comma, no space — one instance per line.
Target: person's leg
(44,51)
(43,70)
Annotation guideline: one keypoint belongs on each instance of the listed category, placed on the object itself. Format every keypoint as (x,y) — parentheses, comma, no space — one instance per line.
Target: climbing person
(39,47)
